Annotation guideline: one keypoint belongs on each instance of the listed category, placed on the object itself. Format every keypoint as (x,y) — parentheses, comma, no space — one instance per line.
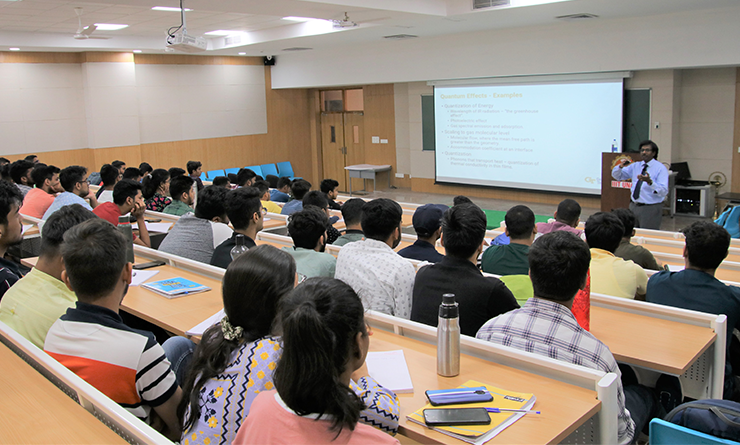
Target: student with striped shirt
(126,364)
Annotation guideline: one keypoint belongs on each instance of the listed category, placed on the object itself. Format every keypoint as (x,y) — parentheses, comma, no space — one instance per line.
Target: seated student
(221,181)
(181,189)
(196,236)
(325,342)
(567,217)
(73,180)
(145,168)
(381,277)
(610,274)
(298,189)
(32,158)
(427,224)
(282,190)
(329,188)
(253,287)
(511,259)
(132,173)
(20,171)
(5,169)
(156,187)
(272,180)
(697,289)
(461,199)
(110,176)
(120,165)
(245,177)
(37,300)
(352,215)
(479,298)
(175,172)
(307,228)
(245,213)
(138,375)
(127,198)
(195,169)
(38,200)
(318,199)
(638,254)
(558,263)
(264,189)
(10,234)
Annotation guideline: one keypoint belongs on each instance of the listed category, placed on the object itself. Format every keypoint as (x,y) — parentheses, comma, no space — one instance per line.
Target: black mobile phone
(153,220)
(456,416)
(149,264)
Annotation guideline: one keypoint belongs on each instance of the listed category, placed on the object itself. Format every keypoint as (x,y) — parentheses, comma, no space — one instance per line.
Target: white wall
(52,107)
(707,121)
(41,108)
(687,39)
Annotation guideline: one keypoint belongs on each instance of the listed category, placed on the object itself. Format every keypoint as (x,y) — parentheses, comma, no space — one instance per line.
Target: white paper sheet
(389,368)
(140,276)
(201,327)
(161,227)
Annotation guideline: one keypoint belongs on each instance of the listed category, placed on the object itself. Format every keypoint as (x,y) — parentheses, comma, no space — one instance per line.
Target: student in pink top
(325,340)
(37,200)
(567,217)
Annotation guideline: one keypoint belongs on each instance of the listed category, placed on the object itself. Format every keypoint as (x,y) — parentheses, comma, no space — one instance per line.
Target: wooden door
(354,141)
(333,148)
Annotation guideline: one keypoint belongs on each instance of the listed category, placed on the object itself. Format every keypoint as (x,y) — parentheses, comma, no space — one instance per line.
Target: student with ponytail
(155,187)
(325,340)
(236,357)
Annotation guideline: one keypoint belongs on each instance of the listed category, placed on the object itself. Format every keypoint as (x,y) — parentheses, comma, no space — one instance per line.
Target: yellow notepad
(478,434)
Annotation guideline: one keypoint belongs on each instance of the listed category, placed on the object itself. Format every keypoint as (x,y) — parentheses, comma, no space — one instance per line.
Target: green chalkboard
(636,119)
(427,122)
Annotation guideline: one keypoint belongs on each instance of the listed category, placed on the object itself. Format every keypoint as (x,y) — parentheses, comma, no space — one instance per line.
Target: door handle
(344,150)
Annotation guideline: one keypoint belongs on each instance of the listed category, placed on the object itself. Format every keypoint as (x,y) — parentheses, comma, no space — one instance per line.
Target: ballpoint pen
(504,410)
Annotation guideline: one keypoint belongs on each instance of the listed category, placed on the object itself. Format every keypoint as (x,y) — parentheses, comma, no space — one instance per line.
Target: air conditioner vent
(485,4)
(400,37)
(579,16)
(297,48)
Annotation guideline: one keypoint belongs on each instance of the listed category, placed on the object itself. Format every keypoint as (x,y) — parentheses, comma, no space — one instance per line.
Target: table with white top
(367,171)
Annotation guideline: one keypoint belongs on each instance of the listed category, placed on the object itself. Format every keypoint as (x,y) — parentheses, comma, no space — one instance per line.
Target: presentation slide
(529,136)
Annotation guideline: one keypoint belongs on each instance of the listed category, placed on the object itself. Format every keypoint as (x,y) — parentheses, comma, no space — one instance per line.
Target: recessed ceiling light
(137,51)
(242,54)
(296,19)
(14,49)
(109,26)
(169,9)
(223,32)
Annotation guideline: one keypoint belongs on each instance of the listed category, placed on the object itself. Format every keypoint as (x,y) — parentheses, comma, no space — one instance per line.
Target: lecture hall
(186,183)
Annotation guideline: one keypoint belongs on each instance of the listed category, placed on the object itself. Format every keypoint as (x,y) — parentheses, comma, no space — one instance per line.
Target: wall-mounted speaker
(269,60)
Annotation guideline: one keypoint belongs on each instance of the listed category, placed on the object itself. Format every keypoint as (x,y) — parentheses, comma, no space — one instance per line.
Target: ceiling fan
(84,33)
(346,23)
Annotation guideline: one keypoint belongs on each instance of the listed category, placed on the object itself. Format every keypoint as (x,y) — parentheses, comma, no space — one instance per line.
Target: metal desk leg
(350,183)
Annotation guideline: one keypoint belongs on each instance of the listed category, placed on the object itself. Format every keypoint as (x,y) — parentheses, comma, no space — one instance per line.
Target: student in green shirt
(352,215)
(181,189)
(511,259)
(308,230)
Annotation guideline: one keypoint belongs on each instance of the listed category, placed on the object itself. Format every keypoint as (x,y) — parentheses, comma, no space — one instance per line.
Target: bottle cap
(448,299)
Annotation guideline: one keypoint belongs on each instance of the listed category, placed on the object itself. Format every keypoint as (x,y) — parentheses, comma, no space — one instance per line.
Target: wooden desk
(36,411)
(552,426)
(662,345)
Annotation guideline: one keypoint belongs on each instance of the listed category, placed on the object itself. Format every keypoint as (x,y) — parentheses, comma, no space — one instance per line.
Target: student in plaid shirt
(545,325)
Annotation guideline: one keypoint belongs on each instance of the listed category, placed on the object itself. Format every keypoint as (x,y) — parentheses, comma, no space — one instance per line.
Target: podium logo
(591,180)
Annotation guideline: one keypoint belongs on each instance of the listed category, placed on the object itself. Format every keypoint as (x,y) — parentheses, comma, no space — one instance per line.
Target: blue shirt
(278,196)
(649,194)
(65,199)
(293,206)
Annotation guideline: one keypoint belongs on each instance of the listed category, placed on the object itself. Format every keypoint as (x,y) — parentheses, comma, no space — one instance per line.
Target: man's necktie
(636,193)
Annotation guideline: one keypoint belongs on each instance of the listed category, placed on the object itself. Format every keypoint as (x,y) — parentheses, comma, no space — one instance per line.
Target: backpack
(720,418)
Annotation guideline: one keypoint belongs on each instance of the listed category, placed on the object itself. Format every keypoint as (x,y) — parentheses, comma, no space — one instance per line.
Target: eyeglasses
(264,211)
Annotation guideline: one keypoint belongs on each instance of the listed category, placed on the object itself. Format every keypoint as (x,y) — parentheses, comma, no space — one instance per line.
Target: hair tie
(230,331)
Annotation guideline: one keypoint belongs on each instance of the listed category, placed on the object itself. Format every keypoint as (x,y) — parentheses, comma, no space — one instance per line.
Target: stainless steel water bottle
(124,226)
(448,337)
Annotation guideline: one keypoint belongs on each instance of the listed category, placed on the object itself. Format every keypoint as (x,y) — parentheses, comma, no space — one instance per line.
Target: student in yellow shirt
(37,300)
(264,189)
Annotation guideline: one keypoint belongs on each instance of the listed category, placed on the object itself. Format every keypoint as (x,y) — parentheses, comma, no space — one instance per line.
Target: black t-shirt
(480,298)
(10,272)
(222,254)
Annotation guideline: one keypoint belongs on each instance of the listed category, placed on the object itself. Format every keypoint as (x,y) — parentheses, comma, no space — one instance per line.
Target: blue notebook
(175,287)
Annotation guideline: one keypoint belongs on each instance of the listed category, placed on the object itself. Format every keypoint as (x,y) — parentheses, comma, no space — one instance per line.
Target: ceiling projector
(186,43)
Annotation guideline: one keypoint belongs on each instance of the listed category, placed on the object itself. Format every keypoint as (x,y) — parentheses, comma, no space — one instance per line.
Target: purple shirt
(543,228)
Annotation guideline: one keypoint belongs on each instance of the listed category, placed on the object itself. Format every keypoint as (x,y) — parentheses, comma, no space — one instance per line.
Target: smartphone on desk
(456,416)
(149,265)
(458,395)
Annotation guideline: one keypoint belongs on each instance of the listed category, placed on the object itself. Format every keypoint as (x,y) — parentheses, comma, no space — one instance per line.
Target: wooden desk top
(663,345)
(552,426)
(176,315)
(273,222)
(36,411)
